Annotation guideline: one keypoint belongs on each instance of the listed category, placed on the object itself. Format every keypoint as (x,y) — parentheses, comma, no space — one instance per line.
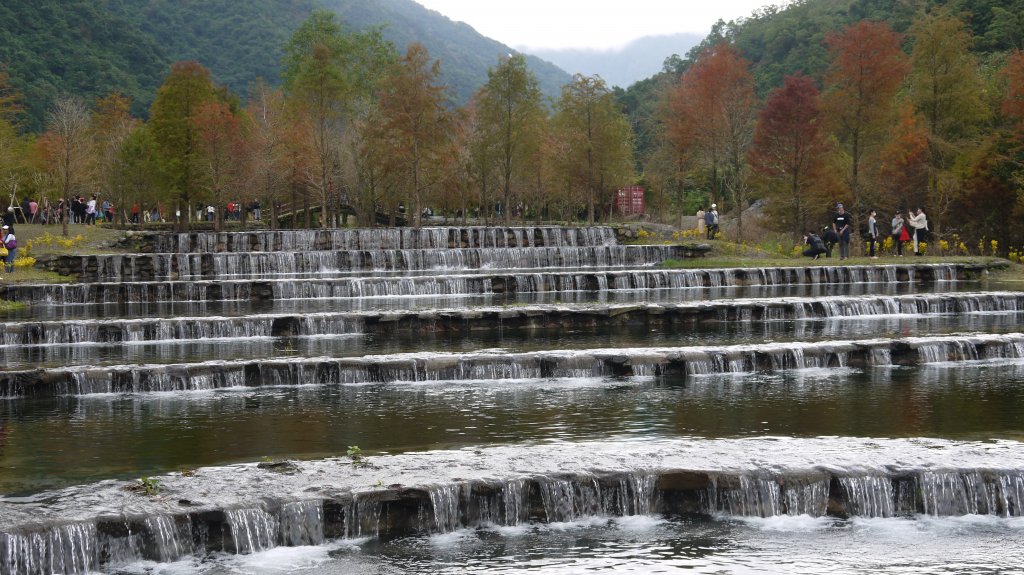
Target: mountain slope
(465,55)
(90,48)
(52,47)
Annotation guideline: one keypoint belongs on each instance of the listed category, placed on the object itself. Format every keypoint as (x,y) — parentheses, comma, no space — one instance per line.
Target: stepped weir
(512,381)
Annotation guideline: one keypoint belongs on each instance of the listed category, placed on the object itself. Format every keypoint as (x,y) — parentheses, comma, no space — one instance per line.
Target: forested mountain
(92,47)
(779,41)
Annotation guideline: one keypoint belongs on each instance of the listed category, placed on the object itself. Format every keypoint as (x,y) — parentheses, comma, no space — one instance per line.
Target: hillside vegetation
(91,48)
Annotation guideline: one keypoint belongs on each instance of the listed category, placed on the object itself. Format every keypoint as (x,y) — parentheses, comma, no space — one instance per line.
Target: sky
(589,24)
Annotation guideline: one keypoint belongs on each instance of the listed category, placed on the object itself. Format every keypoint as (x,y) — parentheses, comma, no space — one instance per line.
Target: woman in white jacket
(918,221)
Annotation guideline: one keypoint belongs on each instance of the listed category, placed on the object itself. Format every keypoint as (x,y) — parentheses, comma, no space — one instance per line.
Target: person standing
(256,211)
(701,226)
(841,226)
(711,220)
(919,223)
(11,243)
(899,233)
(872,234)
(90,211)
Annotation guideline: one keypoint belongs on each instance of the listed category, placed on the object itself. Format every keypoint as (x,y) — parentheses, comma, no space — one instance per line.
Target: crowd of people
(839,232)
(93,210)
(913,229)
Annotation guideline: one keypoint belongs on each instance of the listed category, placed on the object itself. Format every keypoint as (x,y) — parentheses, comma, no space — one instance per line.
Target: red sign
(630,200)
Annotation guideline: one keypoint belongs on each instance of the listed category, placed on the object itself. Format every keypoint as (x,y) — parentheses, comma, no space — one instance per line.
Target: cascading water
(537,282)
(252,530)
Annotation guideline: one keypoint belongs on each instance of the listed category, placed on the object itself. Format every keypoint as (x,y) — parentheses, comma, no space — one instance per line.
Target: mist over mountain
(638,60)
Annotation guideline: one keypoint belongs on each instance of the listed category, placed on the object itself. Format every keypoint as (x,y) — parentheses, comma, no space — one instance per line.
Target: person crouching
(815,245)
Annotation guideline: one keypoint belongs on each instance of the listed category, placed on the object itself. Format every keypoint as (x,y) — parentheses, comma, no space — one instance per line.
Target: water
(68,440)
(525,399)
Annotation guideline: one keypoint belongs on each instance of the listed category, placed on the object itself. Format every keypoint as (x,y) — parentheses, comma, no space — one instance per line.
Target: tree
(790,149)
(508,110)
(1013,103)
(904,162)
(598,137)
(172,119)
(136,171)
(867,70)
(221,144)
(946,90)
(414,128)
(326,74)
(713,111)
(69,124)
(111,125)
(267,147)
(12,148)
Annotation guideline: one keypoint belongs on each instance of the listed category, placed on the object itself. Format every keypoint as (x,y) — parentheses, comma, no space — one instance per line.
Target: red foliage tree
(790,149)
(221,143)
(711,121)
(868,67)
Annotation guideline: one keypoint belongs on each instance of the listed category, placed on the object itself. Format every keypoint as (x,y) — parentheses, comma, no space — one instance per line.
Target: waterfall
(569,499)
(637,494)
(302,523)
(66,549)
(943,351)
(881,356)
(171,540)
(362,517)
(505,503)
(583,496)
(444,503)
(768,496)
(869,496)
(971,492)
(252,529)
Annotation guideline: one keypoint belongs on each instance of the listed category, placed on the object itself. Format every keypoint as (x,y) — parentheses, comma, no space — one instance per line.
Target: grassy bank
(37,241)
(720,261)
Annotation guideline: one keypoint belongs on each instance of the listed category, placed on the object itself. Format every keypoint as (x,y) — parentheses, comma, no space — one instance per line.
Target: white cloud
(598,24)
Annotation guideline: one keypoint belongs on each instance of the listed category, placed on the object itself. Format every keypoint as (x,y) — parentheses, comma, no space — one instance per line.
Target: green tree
(946,90)
(184,92)
(12,147)
(327,76)
(508,109)
(136,171)
(414,127)
(599,138)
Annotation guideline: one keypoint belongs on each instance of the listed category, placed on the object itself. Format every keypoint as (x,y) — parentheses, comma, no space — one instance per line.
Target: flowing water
(523,399)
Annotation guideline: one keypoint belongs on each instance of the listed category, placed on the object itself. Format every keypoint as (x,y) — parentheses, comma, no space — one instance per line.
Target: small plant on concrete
(356,455)
(149,486)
